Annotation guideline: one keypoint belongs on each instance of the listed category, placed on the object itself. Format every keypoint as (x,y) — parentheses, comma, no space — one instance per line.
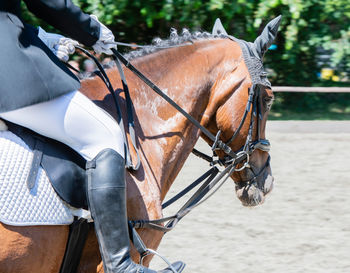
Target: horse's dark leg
(91,261)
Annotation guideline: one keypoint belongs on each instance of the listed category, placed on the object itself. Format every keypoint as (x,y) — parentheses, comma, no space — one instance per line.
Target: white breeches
(74,120)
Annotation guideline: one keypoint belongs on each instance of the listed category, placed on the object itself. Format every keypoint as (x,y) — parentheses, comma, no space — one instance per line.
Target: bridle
(261,144)
(244,153)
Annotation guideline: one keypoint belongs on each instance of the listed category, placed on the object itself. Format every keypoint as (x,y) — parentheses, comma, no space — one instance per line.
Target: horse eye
(268,102)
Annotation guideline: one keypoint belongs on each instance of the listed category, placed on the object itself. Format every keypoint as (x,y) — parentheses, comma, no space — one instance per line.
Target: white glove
(105,41)
(58,44)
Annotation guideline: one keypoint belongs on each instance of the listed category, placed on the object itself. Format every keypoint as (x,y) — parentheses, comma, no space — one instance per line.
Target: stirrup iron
(151,251)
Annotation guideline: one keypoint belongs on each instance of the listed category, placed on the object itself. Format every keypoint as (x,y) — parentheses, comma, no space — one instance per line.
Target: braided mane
(174,40)
(159,44)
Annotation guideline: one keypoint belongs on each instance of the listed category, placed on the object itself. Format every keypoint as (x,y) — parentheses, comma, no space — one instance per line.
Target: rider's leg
(108,188)
(76,121)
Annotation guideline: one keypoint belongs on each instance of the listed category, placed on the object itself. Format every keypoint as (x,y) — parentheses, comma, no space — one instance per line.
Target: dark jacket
(29,72)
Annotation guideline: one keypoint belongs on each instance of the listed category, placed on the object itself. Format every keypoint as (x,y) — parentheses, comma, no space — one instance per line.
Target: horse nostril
(240,185)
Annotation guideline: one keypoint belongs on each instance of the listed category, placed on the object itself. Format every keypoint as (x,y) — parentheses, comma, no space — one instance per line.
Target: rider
(38,92)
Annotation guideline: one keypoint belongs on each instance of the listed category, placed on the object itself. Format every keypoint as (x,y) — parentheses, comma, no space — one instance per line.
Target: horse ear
(218,28)
(268,35)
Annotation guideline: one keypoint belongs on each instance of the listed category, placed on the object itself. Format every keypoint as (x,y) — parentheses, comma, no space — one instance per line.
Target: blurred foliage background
(312,48)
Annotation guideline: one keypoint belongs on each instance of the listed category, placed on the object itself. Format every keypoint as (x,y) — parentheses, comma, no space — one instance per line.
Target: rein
(131,126)
(210,180)
(218,144)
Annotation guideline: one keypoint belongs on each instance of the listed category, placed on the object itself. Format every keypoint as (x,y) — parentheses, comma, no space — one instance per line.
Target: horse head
(245,98)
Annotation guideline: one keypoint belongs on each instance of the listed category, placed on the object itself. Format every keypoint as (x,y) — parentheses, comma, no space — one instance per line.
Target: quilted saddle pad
(20,206)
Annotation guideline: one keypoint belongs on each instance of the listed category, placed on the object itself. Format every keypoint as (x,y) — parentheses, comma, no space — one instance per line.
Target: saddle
(64,167)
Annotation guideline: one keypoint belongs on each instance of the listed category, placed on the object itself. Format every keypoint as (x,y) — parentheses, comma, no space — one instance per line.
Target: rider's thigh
(74,120)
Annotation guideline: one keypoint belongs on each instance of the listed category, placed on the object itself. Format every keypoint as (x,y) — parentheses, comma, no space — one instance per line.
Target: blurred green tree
(307,26)
(313,34)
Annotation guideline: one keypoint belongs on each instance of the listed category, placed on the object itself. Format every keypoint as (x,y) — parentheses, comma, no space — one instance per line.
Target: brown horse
(209,78)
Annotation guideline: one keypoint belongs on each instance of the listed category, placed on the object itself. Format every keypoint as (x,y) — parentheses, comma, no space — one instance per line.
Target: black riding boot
(107,202)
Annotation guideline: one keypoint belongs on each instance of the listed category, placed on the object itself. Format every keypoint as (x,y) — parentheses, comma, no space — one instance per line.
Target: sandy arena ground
(304,225)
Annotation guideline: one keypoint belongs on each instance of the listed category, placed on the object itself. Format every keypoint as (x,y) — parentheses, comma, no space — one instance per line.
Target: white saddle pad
(20,206)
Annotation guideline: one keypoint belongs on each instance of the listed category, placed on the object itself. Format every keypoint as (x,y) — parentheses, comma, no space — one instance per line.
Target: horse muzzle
(253,192)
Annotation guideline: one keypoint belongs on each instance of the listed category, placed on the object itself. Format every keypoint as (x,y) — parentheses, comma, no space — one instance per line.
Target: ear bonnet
(253,53)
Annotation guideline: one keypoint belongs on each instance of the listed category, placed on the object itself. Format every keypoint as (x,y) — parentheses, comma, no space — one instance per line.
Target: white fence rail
(311,89)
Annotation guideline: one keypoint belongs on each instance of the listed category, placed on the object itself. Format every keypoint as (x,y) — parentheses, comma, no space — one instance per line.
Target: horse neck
(186,74)
(166,138)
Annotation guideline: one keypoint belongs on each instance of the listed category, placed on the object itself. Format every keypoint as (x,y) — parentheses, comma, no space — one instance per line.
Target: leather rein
(231,157)
(213,179)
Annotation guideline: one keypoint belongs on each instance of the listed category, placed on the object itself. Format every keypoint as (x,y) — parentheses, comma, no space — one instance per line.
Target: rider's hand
(106,41)
(61,46)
